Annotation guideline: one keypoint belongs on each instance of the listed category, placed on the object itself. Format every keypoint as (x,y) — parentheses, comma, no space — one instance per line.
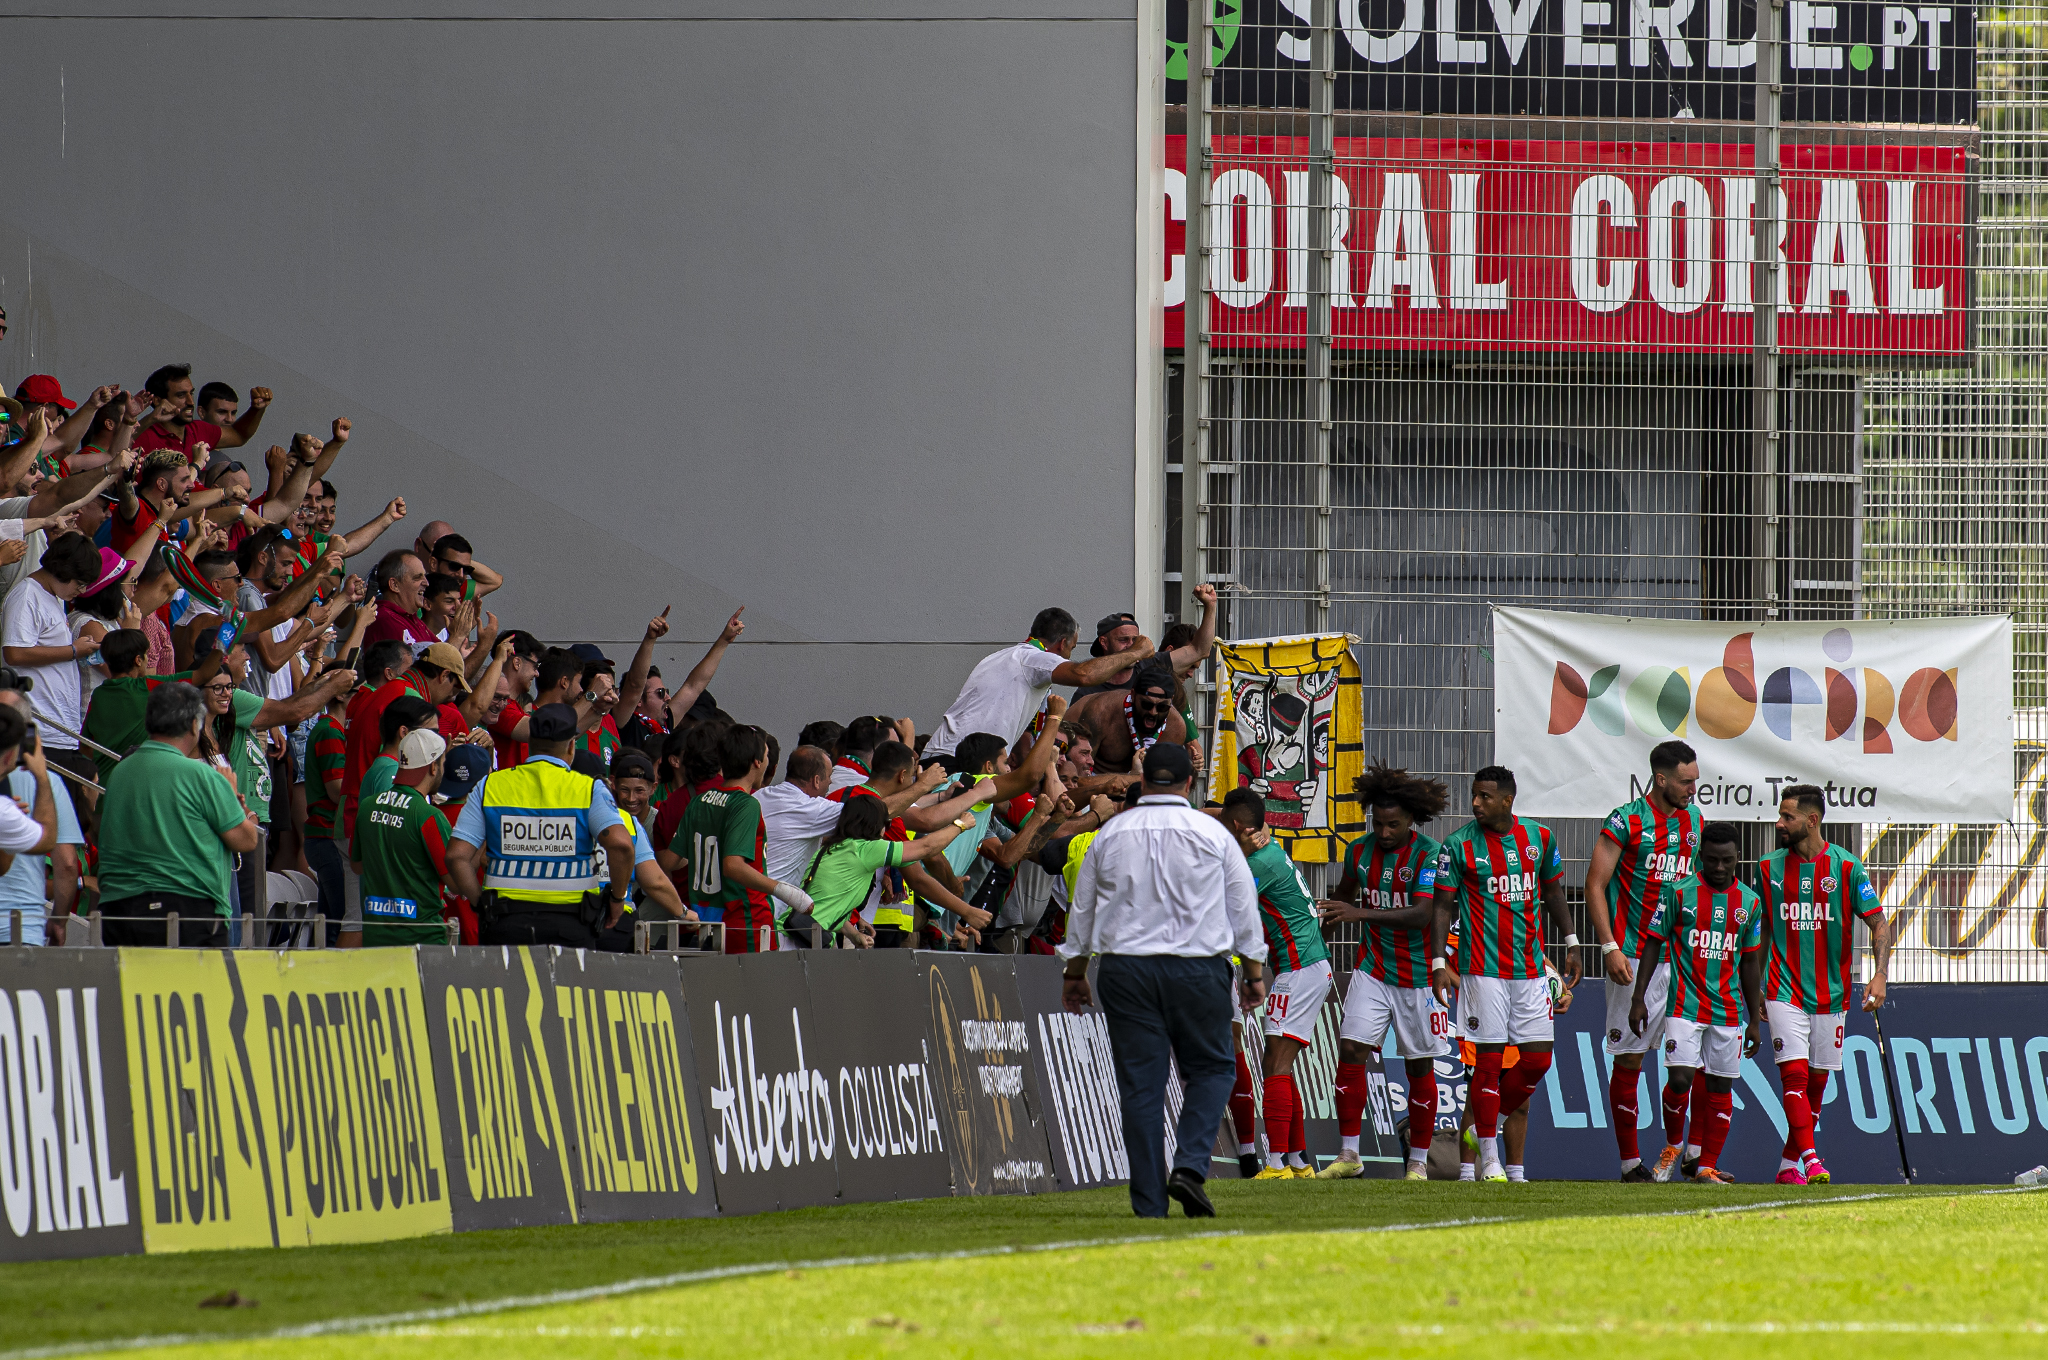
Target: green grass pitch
(1356,1267)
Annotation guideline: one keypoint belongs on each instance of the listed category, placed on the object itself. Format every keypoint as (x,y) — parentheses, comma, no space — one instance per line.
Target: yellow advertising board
(281,1099)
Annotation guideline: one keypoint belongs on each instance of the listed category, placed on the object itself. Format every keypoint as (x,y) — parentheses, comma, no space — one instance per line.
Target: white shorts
(1495,1010)
(1795,1035)
(1620,1039)
(1692,1043)
(1295,1001)
(1422,1028)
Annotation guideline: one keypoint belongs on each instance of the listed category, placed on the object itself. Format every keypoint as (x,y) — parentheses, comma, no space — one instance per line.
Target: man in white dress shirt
(1165,898)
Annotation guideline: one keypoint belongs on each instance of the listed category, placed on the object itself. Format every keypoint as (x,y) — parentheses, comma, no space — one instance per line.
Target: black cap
(1167,764)
(1109,623)
(551,722)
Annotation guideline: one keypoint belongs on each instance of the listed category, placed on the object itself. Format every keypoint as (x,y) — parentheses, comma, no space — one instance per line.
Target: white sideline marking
(413,1319)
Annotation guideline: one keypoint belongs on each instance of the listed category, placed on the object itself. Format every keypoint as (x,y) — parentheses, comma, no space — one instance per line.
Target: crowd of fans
(199,691)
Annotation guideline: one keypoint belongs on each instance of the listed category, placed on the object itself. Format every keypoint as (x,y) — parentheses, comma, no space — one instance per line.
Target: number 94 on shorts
(1295,1000)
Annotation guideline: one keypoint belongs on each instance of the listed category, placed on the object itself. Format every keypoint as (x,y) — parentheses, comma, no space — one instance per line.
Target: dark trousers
(1161,1006)
(539,927)
(329,863)
(199,921)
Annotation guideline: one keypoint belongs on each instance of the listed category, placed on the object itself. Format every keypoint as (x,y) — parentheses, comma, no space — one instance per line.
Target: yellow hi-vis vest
(537,841)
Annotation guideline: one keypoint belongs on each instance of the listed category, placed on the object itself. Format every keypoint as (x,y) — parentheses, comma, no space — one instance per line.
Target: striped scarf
(205,596)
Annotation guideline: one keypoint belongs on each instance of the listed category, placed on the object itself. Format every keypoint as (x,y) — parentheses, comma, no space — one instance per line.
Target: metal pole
(1319,341)
(1194,426)
(1764,513)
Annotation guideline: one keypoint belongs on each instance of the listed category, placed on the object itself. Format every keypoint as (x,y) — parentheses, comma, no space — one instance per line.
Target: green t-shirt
(379,778)
(1294,933)
(161,824)
(721,822)
(115,718)
(402,844)
(842,876)
(246,755)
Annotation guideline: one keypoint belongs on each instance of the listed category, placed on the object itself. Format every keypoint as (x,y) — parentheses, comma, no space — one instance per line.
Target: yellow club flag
(1290,725)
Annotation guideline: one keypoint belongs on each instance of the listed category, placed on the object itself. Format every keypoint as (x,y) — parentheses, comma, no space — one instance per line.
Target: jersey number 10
(704,864)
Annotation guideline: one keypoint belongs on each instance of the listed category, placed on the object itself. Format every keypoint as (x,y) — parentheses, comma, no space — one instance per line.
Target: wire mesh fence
(1727,311)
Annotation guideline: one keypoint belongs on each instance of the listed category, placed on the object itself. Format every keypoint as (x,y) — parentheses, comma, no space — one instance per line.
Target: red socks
(1241,1108)
(1298,1142)
(1519,1082)
(1816,1091)
(1421,1103)
(1714,1128)
(1793,1078)
(1621,1100)
(1351,1091)
(1280,1122)
(1699,1106)
(1486,1098)
(1676,1098)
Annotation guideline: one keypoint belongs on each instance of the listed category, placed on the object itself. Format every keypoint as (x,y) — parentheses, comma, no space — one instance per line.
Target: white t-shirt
(282,682)
(16,508)
(845,777)
(89,676)
(793,823)
(1001,696)
(18,830)
(33,617)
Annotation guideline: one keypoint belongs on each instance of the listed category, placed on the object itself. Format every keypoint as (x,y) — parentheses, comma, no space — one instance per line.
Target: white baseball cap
(420,749)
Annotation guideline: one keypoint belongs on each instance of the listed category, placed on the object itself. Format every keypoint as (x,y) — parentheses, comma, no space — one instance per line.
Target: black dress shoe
(1186,1187)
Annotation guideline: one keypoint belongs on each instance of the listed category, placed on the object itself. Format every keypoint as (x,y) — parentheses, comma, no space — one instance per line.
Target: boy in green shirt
(1301,980)
(402,842)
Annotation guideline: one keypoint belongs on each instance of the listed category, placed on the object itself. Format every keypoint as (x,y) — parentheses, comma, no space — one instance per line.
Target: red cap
(40,388)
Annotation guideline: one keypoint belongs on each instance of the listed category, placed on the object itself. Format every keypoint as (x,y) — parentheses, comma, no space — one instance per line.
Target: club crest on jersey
(1614,1035)
(1777,1045)
(1404,873)
(1671,1045)
(1692,840)
(1471,1022)
(1828,885)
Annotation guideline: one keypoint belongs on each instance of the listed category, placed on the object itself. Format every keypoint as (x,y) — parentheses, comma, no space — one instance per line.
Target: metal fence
(1478,323)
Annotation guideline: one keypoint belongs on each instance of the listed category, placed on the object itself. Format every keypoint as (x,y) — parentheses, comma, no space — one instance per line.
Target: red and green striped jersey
(1808,904)
(1657,848)
(1497,876)
(1294,933)
(402,844)
(326,755)
(1393,880)
(1706,931)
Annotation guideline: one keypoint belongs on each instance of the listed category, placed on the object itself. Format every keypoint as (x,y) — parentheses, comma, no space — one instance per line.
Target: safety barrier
(172,1100)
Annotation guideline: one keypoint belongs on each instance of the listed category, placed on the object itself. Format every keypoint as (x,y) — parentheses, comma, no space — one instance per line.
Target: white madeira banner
(1896,721)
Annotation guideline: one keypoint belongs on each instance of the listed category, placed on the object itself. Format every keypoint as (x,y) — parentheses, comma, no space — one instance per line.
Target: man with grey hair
(170,827)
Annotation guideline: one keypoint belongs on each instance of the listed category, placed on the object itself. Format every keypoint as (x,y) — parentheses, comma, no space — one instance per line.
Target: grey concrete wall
(820,306)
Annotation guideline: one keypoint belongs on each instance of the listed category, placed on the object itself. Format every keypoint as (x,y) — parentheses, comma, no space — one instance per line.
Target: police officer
(540,829)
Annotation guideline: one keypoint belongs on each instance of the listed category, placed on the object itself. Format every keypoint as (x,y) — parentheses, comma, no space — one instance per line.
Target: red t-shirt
(393,622)
(196,432)
(511,752)
(123,533)
(364,741)
(669,816)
